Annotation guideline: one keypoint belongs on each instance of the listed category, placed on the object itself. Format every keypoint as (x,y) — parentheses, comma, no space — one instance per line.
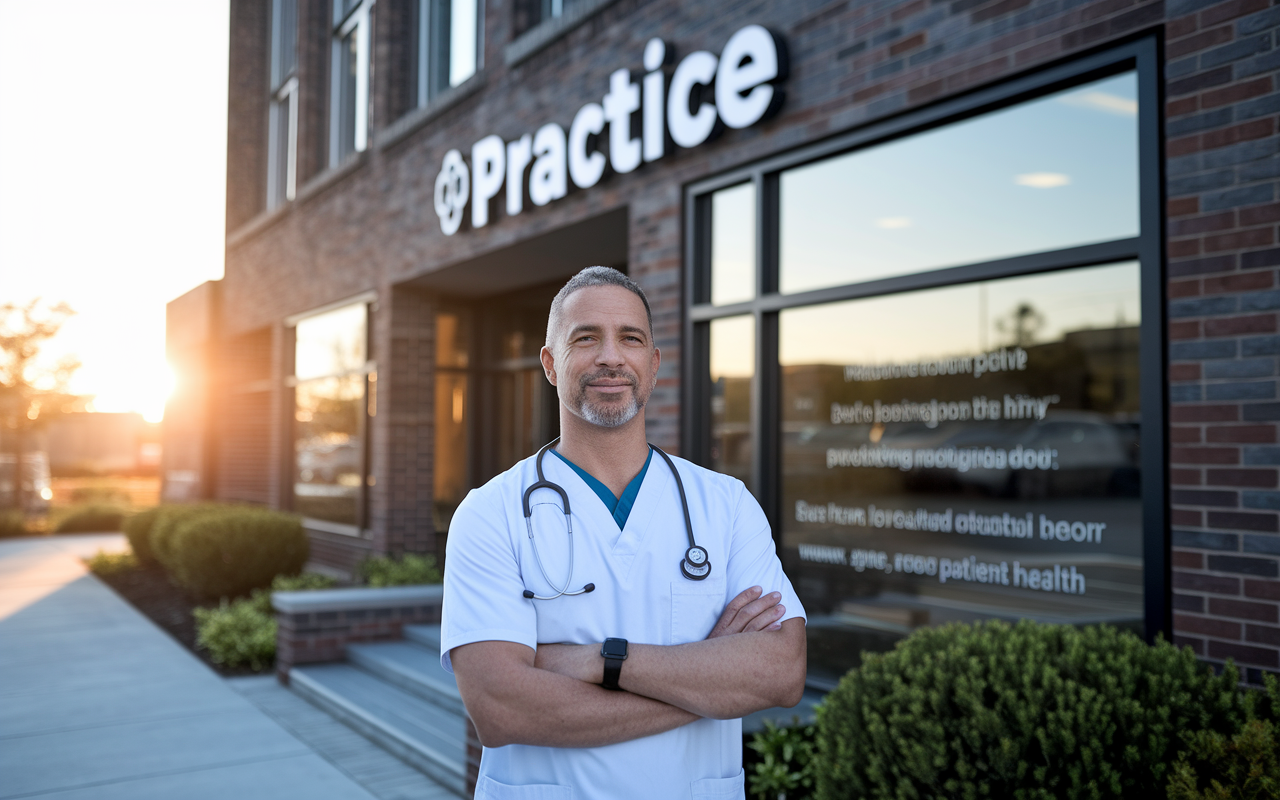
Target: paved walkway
(96,702)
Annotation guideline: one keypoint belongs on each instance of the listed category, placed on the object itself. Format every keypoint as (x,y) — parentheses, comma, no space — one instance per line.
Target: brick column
(401,512)
(1222,173)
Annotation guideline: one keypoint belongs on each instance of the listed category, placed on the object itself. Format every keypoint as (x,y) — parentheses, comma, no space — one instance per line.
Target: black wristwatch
(614,652)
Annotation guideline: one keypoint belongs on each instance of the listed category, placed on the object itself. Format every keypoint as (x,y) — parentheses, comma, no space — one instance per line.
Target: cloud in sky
(1043,180)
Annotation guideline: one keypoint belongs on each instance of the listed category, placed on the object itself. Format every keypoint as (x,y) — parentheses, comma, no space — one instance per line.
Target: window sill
(312,188)
(544,33)
(408,123)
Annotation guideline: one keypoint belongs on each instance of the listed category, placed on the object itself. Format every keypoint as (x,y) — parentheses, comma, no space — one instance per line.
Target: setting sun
(144,390)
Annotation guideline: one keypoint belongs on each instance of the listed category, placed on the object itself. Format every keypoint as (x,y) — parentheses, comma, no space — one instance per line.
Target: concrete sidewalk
(96,702)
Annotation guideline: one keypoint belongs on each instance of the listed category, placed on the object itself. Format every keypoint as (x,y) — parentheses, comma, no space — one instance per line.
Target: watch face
(614,648)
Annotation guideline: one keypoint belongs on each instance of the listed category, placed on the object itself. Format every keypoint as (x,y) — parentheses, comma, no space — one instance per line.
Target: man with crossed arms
(660,716)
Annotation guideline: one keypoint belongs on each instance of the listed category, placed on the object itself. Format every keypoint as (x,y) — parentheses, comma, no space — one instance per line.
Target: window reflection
(450,474)
(733,353)
(330,464)
(334,395)
(960,454)
(1056,172)
(453,340)
(331,343)
(733,244)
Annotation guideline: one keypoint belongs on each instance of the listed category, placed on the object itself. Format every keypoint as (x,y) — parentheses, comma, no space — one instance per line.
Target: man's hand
(747,613)
(750,612)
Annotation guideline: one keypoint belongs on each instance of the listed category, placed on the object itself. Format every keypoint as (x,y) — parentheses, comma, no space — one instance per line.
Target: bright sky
(112,176)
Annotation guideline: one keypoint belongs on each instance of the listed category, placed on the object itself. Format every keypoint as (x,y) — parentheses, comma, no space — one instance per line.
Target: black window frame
(1141,55)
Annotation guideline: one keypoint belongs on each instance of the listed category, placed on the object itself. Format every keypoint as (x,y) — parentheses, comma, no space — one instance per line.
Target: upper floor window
(282,125)
(447,45)
(552,9)
(349,82)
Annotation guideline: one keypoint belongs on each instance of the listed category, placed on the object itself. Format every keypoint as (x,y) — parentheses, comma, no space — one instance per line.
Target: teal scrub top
(620,507)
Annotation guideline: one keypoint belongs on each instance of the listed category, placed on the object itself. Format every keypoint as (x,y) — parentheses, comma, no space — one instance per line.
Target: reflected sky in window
(959,320)
(1060,171)
(733,244)
(331,343)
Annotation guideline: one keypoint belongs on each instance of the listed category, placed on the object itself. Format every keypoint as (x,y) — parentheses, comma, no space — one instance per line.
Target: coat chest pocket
(695,607)
(489,789)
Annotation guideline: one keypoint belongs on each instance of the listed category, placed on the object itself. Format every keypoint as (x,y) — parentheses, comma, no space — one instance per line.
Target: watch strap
(614,652)
(612,671)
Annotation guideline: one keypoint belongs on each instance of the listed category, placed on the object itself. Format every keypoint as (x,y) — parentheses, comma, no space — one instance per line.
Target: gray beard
(609,416)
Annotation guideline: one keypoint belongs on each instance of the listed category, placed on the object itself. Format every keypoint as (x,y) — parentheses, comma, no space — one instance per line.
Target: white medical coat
(640,596)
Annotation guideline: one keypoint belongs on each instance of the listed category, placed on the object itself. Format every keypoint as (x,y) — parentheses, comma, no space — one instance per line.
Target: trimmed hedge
(166,523)
(93,519)
(1246,765)
(230,551)
(1023,711)
(137,529)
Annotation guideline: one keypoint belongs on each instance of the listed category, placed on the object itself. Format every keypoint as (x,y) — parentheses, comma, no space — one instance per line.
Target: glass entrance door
(494,405)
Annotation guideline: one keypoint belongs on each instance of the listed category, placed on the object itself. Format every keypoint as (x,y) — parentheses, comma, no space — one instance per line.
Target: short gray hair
(593,276)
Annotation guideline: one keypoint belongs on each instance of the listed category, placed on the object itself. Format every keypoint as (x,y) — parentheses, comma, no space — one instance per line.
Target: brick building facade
(363,228)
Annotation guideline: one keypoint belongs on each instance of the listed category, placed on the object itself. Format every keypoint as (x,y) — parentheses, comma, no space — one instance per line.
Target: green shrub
(233,550)
(92,519)
(237,634)
(1240,767)
(102,563)
(408,570)
(167,520)
(786,765)
(290,583)
(12,523)
(1243,766)
(1025,711)
(137,529)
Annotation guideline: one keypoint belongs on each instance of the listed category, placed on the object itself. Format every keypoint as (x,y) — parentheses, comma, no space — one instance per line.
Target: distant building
(978,298)
(100,443)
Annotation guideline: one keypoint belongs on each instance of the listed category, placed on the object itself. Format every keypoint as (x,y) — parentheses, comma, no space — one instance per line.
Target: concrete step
(411,667)
(426,635)
(422,733)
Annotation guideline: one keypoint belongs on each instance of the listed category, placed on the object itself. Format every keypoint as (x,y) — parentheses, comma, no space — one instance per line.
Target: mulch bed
(149,590)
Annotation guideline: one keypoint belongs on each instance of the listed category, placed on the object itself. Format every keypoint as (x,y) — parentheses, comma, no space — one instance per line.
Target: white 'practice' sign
(743,78)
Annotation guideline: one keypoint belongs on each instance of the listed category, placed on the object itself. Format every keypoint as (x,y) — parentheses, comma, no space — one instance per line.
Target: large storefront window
(1056,172)
(930,365)
(980,460)
(334,388)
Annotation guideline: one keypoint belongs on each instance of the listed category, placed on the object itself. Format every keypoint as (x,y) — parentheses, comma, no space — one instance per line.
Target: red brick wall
(1222,169)
(852,63)
(402,497)
(243,417)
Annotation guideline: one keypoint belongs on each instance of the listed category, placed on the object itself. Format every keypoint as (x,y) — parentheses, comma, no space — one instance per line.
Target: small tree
(30,392)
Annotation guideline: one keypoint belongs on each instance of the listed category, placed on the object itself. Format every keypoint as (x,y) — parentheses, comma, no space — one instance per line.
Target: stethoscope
(694,565)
